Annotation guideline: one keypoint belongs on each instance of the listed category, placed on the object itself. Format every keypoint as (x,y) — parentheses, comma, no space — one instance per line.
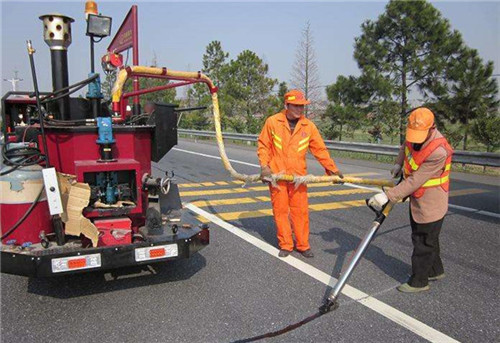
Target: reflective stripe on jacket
(413,159)
(285,151)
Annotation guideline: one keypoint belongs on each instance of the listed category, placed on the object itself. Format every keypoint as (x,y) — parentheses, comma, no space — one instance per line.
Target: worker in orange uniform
(282,146)
(425,161)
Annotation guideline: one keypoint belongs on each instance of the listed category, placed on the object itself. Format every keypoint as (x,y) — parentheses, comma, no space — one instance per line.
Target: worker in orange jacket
(282,146)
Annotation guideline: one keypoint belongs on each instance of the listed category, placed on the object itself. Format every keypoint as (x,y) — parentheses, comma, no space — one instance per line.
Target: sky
(177,33)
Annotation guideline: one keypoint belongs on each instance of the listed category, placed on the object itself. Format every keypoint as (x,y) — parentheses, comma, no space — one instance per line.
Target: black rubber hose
(48,99)
(20,157)
(31,51)
(84,82)
(9,171)
(29,156)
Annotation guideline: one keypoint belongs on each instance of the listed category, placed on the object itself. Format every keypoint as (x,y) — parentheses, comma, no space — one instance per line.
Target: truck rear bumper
(39,262)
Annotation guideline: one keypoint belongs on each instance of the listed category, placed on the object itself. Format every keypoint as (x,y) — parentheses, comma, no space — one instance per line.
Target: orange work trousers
(290,209)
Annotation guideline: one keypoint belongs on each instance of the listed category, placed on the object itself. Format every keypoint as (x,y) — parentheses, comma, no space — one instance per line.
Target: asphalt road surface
(237,287)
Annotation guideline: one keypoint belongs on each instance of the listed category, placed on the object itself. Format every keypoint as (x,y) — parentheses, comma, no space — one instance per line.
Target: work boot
(307,253)
(437,277)
(284,253)
(406,288)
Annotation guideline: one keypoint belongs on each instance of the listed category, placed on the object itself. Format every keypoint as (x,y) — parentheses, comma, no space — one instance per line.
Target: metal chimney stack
(57,35)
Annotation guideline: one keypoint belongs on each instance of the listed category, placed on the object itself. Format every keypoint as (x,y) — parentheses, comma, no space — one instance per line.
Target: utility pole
(14,81)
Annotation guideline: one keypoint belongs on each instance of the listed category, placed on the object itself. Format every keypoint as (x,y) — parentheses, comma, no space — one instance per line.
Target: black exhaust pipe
(59,62)
(57,35)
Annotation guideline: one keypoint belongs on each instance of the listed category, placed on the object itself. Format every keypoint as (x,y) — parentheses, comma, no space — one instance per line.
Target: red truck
(77,192)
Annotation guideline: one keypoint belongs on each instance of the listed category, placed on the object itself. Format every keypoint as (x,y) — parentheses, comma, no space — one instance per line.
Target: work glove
(396,171)
(265,174)
(378,201)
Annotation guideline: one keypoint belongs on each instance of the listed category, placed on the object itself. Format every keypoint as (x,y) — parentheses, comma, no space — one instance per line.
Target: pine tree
(409,45)
(345,109)
(486,130)
(468,93)
(248,89)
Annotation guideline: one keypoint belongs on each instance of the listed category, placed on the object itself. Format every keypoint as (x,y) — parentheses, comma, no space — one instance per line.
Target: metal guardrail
(487,159)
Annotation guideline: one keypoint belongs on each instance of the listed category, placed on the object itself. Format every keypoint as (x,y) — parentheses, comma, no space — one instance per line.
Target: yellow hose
(117,92)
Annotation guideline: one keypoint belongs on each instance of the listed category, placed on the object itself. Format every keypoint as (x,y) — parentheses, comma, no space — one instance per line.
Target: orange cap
(90,8)
(296,97)
(421,120)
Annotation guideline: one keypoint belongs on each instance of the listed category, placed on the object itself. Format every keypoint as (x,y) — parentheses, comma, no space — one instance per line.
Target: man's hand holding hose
(265,174)
(336,172)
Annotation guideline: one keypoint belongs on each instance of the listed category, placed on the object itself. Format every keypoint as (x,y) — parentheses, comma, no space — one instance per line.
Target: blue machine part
(111,194)
(107,182)
(94,91)
(105,130)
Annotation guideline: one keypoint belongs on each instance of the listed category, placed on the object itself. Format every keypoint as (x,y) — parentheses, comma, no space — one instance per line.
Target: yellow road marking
(231,216)
(189,185)
(237,182)
(336,205)
(207,184)
(238,201)
(241,190)
(214,192)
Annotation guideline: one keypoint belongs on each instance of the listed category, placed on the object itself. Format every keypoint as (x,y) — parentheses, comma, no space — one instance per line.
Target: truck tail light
(65,264)
(156,252)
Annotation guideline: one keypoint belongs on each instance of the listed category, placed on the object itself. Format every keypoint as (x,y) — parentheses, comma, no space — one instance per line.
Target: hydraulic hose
(80,84)
(20,157)
(125,73)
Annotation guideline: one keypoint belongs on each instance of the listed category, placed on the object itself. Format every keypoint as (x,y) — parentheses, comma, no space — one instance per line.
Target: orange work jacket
(413,160)
(285,151)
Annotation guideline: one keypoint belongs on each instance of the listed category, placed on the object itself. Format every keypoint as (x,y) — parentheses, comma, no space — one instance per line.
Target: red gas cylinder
(18,190)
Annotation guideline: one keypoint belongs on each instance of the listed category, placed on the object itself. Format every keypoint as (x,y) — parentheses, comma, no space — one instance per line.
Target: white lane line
(462,208)
(409,323)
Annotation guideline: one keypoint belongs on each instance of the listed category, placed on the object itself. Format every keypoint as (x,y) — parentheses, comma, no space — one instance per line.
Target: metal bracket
(52,191)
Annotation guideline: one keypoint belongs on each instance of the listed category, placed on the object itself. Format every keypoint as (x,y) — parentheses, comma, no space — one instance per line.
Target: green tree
(486,130)
(194,121)
(468,92)
(409,45)
(248,89)
(345,109)
(276,103)
(384,118)
(282,90)
(214,62)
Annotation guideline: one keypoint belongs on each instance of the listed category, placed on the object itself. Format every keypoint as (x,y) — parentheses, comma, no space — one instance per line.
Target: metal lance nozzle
(57,35)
